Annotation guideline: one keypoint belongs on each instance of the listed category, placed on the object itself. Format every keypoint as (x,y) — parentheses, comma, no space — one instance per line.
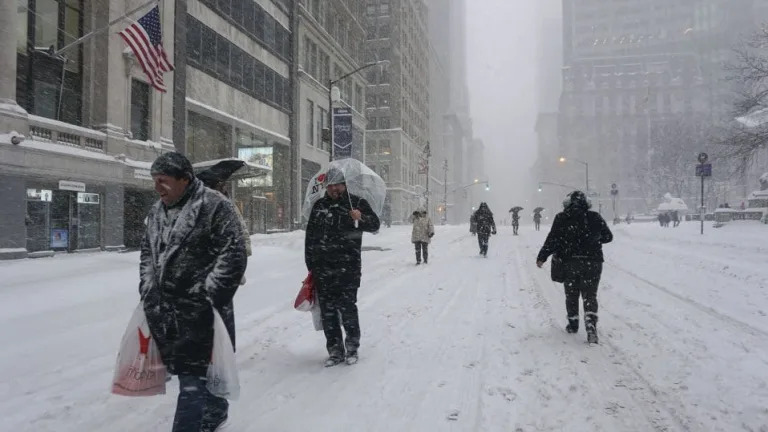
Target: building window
(220,58)
(310,123)
(207,139)
(385,173)
(371,148)
(51,24)
(358,98)
(140,110)
(322,123)
(385,148)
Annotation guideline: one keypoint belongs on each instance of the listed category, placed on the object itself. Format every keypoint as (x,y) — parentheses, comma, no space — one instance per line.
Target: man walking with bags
(193,258)
(332,252)
(576,238)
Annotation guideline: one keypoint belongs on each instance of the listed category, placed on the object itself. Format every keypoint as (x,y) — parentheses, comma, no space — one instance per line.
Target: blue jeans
(197,409)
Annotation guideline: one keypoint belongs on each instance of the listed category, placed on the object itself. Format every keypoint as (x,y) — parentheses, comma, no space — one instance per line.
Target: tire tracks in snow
(644,395)
(733,322)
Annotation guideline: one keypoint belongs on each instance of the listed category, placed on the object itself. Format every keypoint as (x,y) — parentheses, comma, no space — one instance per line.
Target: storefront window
(207,139)
(139,110)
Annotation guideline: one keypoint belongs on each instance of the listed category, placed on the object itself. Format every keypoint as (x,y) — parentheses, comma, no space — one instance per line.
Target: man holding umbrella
(332,253)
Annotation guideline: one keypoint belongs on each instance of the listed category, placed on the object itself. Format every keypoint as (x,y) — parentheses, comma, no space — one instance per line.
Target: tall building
(331,36)
(634,68)
(238,99)
(548,88)
(451,135)
(80,129)
(397,101)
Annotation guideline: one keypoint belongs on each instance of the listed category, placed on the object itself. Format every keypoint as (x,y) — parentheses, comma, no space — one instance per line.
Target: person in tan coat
(423,231)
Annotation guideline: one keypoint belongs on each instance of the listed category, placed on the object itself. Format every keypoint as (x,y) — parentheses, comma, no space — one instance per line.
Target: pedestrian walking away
(484,226)
(193,257)
(537,221)
(332,252)
(576,238)
(421,236)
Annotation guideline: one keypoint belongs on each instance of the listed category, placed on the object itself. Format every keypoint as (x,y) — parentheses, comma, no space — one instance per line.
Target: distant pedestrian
(576,238)
(485,226)
(537,221)
(421,235)
(515,222)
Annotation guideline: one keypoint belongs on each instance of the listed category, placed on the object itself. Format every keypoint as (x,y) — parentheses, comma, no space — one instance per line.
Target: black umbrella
(515,209)
(220,172)
(538,209)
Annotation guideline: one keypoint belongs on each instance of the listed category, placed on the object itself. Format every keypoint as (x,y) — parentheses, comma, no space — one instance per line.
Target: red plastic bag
(139,370)
(306,297)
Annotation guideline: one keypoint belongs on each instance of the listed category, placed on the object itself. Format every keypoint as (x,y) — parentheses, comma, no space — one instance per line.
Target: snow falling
(463,343)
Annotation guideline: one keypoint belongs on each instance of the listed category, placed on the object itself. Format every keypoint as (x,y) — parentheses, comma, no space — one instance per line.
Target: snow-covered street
(461,344)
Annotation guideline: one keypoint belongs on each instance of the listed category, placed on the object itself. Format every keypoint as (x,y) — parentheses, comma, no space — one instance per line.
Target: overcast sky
(501,56)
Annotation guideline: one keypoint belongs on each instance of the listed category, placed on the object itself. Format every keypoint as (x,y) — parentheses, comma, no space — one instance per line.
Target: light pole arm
(365,66)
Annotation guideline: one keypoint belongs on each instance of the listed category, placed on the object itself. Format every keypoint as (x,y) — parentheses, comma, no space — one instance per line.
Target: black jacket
(484,221)
(577,233)
(199,265)
(333,245)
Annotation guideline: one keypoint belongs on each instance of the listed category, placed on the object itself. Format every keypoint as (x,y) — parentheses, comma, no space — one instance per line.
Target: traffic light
(487,186)
(539,187)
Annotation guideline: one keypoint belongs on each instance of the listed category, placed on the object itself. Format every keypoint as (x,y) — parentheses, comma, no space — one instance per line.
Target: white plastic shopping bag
(139,370)
(317,317)
(222,372)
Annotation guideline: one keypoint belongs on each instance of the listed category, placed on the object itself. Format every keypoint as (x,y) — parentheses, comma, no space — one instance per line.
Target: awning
(246,169)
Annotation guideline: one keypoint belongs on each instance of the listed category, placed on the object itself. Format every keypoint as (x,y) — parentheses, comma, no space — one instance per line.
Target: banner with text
(342,133)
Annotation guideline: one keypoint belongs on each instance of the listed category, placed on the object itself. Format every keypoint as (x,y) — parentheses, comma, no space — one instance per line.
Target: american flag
(145,39)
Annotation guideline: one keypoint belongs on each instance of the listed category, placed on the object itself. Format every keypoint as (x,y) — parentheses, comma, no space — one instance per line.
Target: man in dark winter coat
(332,252)
(192,260)
(577,237)
(485,226)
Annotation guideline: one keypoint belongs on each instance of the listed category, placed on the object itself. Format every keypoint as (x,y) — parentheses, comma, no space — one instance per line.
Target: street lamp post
(331,83)
(564,159)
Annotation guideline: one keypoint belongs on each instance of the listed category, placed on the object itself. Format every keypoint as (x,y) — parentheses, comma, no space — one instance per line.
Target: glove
(431,235)
(493,232)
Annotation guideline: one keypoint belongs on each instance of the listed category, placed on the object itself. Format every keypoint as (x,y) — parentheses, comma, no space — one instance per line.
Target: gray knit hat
(173,164)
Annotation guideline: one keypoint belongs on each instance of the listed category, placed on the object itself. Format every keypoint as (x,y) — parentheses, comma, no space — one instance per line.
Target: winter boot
(591,333)
(351,358)
(333,361)
(573,325)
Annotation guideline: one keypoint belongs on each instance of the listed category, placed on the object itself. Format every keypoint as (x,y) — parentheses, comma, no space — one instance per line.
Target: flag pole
(103,29)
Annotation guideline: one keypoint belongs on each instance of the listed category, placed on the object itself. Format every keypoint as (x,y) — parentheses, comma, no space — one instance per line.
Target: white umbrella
(361,181)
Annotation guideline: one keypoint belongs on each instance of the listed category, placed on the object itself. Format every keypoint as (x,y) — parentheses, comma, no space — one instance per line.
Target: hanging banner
(342,133)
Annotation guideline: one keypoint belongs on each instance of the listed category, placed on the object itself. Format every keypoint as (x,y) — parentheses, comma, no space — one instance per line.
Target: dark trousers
(197,409)
(482,240)
(582,278)
(338,307)
(422,248)
(515,227)
(537,224)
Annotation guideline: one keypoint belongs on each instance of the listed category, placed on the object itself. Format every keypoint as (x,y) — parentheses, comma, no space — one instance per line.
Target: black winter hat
(173,164)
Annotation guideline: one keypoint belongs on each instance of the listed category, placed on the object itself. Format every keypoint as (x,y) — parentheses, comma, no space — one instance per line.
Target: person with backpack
(576,238)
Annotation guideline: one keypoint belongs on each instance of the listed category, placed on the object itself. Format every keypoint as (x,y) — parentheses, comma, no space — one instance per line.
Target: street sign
(704,170)
(703,158)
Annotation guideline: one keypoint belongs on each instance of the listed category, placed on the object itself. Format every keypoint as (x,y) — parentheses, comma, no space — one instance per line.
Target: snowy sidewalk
(462,344)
